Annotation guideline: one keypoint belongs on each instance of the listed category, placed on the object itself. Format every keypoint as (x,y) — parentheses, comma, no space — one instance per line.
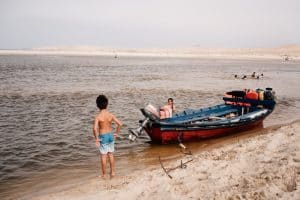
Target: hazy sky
(149,23)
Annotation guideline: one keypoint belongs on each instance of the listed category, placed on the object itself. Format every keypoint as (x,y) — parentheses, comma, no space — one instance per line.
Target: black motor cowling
(269,94)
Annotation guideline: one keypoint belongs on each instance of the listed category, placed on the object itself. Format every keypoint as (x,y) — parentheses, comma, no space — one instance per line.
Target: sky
(149,23)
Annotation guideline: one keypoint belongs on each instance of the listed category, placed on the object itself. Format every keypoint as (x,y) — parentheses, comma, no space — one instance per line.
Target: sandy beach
(291,52)
(265,166)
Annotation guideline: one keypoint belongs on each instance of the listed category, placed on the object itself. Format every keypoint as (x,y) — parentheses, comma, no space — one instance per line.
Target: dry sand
(290,51)
(265,166)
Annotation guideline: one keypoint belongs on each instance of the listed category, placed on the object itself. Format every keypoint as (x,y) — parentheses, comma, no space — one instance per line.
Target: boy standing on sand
(103,133)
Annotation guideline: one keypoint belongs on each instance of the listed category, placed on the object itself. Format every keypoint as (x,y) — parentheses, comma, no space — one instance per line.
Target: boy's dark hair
(102,101)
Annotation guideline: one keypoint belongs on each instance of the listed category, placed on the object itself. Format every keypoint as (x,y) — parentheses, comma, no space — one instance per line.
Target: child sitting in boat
(167,110)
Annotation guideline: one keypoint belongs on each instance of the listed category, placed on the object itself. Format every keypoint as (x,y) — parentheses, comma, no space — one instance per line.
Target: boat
(240,111)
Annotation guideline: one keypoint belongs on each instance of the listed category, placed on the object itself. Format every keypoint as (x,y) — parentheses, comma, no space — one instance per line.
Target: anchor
(182,165)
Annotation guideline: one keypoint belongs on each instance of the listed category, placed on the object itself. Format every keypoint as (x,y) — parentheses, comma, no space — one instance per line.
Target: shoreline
(280,53)
(262,166)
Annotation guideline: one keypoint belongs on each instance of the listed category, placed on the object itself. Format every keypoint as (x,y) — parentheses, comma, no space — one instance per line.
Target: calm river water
(48,105)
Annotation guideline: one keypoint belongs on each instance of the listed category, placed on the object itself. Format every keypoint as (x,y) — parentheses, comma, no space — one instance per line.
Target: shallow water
(48,104)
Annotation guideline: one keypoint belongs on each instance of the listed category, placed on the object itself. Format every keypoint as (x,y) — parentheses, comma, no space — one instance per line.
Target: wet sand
(249,166)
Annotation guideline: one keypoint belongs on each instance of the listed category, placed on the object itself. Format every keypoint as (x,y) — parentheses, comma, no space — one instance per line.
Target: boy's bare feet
(102,176)
(112,175)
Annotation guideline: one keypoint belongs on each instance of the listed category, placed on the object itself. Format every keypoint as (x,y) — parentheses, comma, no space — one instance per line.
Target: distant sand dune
(282,52)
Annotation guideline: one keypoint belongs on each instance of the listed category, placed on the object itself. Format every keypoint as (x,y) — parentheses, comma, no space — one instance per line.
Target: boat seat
(196,112)
(188,112)
(254,114)
(218,114)
(201,116)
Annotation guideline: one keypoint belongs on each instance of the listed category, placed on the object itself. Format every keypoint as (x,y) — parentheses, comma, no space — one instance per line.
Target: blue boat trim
(199,118)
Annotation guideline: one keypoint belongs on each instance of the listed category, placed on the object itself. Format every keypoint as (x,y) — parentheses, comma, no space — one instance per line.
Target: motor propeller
(137,132)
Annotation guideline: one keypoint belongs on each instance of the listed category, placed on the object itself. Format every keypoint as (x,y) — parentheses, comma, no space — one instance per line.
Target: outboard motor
(269,94)
(136,133)
(151,113)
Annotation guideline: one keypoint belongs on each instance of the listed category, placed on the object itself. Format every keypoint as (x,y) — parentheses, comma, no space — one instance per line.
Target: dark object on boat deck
(237,93)
(236,114)
(269,94)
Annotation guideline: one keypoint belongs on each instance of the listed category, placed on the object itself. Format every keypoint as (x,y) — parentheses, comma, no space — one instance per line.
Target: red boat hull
(173,136)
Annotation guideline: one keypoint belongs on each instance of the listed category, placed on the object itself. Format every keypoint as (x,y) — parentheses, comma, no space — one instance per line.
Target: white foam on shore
(265,166)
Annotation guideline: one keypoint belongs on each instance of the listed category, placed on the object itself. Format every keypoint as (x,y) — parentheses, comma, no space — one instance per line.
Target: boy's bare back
(104,120)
